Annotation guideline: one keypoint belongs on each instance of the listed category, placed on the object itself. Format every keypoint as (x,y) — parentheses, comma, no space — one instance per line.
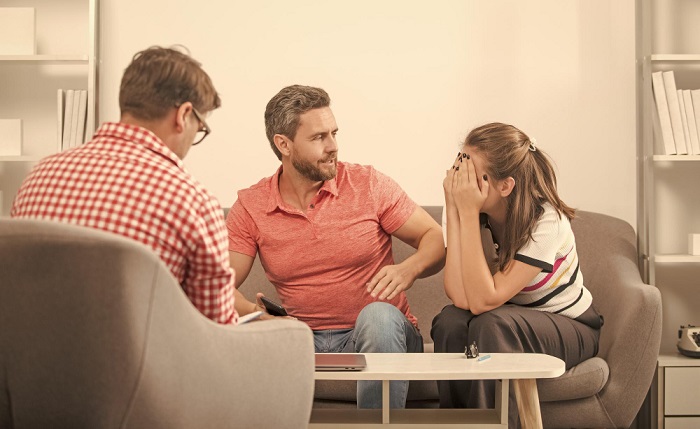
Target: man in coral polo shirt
(323,231)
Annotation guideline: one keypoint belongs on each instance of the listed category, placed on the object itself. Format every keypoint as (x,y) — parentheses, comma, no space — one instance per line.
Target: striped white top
(559,287)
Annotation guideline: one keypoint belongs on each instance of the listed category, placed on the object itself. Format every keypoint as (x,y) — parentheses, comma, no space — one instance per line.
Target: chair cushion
(583,380)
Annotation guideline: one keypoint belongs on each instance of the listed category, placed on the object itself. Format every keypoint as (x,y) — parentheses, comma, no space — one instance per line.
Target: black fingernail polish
(468,157)
(459,154)
(460,160)
(457,168)
(453,167)
(464,155)
(485,178)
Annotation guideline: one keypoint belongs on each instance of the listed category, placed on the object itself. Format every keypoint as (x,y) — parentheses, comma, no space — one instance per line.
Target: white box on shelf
(10,137)
(694,244)
(17,31)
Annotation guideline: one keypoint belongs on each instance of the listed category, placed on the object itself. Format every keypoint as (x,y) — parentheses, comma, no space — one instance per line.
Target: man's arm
(422,233)
(242,264)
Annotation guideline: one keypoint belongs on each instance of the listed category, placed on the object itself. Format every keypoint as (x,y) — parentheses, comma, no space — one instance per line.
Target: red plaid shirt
(126,181)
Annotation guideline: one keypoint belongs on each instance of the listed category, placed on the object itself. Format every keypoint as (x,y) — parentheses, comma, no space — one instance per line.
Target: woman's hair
(159,79)
(283,111)
(508,152)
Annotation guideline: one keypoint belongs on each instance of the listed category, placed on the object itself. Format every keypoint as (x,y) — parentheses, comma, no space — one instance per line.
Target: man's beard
(312,172)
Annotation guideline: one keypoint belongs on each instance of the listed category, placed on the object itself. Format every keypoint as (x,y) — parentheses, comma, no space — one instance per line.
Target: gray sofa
(605,391)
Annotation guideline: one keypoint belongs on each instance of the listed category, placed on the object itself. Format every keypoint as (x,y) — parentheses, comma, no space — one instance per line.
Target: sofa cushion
(581,381)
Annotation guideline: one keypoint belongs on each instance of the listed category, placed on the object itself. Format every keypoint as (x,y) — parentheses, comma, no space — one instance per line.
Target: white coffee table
(522,368)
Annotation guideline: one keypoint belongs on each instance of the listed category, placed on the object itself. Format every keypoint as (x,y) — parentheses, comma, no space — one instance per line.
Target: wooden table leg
(528,403)
(502,387)
(386,402)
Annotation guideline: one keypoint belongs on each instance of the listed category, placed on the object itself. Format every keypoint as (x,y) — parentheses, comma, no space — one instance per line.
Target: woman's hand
(447,183)
(466,191)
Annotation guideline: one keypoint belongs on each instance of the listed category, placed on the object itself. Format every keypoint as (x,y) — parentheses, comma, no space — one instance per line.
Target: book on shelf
(67,118)
(684,120)
(662,114)
(74,120)
(695,97)
(694,146)
(82,116)
(60,106)
(674,108)
(10,137)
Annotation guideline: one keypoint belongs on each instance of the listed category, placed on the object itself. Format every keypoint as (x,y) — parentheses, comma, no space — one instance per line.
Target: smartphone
(272,307)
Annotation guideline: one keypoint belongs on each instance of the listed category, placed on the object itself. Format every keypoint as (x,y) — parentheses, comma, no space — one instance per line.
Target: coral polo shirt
(320,261)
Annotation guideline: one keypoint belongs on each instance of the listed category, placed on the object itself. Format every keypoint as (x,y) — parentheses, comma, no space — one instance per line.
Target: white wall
(408,79)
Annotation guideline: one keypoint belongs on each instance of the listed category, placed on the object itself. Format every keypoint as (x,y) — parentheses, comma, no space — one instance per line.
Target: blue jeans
(380,328)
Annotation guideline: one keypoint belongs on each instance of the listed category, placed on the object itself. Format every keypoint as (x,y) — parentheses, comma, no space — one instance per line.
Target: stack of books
(72,115)
(677,115)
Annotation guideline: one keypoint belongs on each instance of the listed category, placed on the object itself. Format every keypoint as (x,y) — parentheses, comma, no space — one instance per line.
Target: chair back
(631,335)
(96,332)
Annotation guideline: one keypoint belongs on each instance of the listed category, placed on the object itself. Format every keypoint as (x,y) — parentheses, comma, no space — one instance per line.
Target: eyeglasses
(203,132)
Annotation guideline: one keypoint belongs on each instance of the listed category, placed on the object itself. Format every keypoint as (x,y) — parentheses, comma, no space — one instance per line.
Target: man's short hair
(159,79)
(283,111)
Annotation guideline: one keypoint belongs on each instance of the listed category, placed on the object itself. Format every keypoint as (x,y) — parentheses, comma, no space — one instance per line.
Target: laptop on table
(340,362)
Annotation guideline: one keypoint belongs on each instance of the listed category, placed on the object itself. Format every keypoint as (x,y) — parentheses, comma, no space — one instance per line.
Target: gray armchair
(608,390)
(95,332)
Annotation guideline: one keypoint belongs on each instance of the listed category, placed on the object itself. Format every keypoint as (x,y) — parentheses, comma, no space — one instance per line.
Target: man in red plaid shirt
(130,179)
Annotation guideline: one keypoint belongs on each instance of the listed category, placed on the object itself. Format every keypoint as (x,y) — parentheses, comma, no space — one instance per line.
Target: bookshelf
(668,209)
(66,57)
(676,158)
(47,59)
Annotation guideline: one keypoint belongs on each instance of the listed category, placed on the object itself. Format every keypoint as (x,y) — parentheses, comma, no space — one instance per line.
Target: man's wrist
(414,267)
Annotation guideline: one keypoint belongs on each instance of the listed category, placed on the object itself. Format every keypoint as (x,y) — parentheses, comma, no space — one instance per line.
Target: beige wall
(408,80)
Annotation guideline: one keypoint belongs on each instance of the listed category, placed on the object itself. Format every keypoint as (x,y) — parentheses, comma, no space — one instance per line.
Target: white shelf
(666,206)
(676,158)
(676,57)
(68,43)
(49,59)
(677,359)
(678,258)
(22,158)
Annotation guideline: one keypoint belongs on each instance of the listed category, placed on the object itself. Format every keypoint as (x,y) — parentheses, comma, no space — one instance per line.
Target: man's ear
(181,115)
(282,143)
(506,187)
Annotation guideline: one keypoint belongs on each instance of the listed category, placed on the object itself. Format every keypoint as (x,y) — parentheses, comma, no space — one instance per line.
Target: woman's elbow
(458,301)
(463,304)
(477,310)
(479,307)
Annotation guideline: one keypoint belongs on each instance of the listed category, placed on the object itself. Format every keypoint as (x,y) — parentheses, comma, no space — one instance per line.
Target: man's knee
(379,314)
(380,327)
